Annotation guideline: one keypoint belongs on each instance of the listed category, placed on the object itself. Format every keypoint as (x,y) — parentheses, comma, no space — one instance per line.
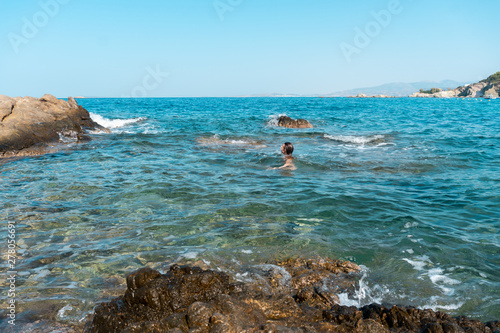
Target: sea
(409,189)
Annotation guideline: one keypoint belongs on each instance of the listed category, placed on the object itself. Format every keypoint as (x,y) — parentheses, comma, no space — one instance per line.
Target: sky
(177,48)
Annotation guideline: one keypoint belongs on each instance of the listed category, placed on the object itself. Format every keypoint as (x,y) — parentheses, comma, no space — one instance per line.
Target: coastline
(290,295)
(89,201)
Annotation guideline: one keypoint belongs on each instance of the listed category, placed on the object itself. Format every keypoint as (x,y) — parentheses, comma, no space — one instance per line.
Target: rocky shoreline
(291,296)
(28,125)
(488,88)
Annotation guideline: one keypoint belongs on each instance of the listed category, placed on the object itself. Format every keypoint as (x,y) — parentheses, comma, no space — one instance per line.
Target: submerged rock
(285,121)
(26,124)
(293,298)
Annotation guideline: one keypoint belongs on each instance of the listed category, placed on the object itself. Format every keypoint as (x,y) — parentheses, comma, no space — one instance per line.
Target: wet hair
(288,148)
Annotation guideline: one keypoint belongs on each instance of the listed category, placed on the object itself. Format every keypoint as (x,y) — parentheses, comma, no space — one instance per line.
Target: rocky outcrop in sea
(289,296)
(285,121)
(28,124)
(489,87)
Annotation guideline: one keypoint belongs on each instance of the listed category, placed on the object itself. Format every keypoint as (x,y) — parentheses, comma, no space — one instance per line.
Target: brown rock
(6,106)
(190,299)
(285,121)
(488,91)
(139,278)
(370,326)
(26,124)
(199,314)
(472,90)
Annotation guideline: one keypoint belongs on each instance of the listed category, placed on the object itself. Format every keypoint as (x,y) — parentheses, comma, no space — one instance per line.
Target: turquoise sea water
(408,188)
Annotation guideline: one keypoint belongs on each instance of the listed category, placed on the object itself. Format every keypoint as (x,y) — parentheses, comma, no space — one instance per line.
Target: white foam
(433,305)
(409,225)
(114,123)
(420,262)
(436,275)
(442,281)
(68,136)
(364,295)
(310,219)
(217,141)
(247,251)
(351,139)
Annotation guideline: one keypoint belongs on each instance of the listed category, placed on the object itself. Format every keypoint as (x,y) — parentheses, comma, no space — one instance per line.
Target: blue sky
(240,47)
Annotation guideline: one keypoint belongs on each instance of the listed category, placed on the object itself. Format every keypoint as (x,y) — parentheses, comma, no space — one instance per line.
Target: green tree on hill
(431,91)
(495,78)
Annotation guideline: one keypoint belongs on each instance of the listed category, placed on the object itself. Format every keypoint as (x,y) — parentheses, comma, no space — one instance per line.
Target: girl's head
(287,148)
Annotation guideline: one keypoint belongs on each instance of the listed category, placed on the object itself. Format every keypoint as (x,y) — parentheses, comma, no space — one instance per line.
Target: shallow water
(408,188)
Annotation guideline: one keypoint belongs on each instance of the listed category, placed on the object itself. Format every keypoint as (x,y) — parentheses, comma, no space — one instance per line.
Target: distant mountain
(273,95)
(398,89)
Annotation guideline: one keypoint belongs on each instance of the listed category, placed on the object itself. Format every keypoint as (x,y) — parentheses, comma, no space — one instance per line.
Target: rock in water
(285,121)
(290,296)
(26,124)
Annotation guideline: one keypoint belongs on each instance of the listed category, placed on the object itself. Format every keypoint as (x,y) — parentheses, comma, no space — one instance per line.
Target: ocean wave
(360,140)
(364,294)
(115,123)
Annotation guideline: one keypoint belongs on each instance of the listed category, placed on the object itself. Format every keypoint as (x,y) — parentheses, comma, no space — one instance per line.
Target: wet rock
(370,326)
(26,124)
(139,278)
(294,299)
(285,121)
(199,314)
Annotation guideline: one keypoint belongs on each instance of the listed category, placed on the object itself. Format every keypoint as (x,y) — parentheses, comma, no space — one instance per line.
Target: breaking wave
(115,123)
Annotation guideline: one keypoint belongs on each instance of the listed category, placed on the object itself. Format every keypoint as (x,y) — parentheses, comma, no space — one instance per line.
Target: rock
(27,124)
(6,106)
(199,314)
(440,94)
(472,90)
(373,96)
(191,299)
(370,326)
(285,121)
(487,87)
(488,91)
(139,278)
